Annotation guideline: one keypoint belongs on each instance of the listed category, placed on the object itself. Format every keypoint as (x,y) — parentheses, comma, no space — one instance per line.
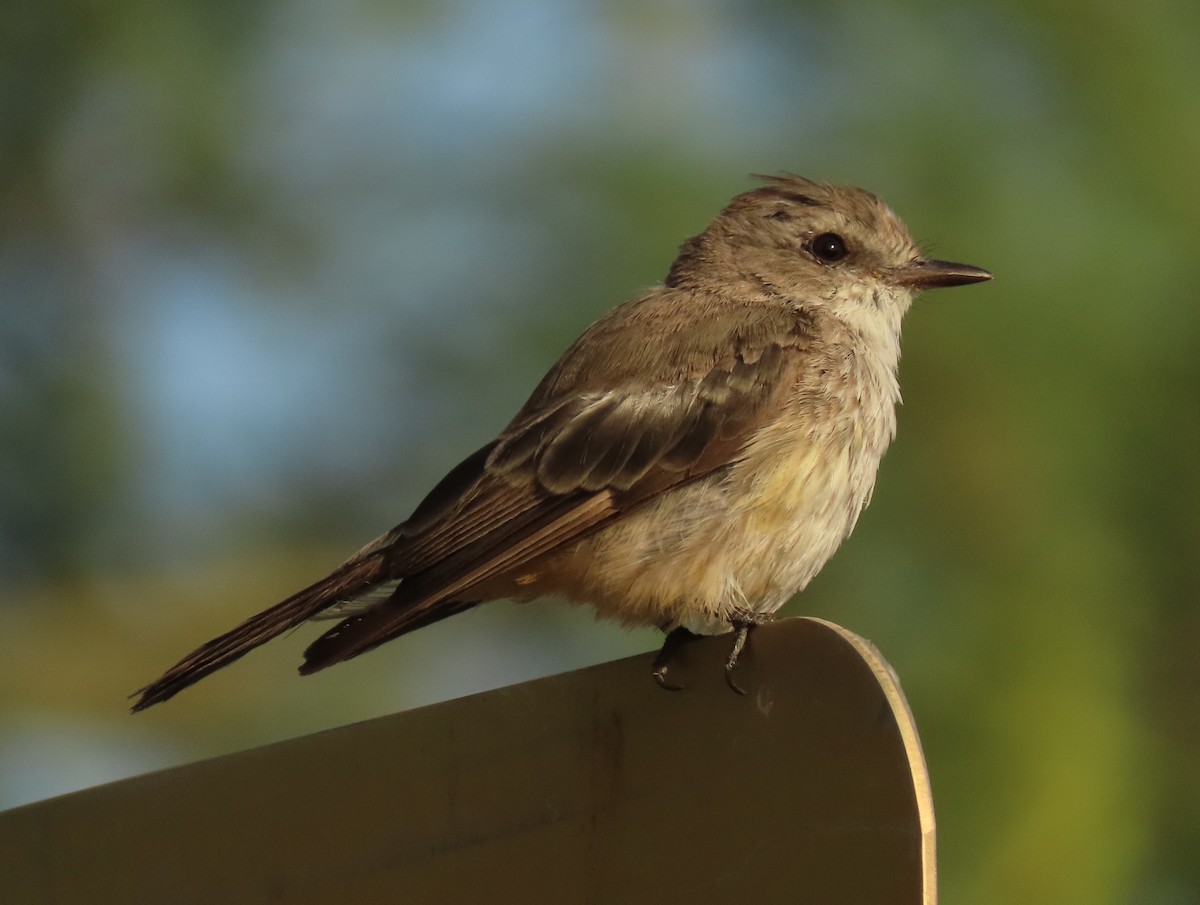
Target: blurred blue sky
(393,146)
(407,172)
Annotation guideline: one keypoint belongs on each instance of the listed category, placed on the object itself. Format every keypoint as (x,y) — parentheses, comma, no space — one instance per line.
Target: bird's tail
(350,580)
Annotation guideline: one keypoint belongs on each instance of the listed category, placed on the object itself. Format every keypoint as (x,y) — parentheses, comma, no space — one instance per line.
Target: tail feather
(352,578)
(330,648)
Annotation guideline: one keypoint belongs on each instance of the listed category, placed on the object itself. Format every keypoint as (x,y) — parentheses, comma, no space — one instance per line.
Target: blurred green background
(267,269)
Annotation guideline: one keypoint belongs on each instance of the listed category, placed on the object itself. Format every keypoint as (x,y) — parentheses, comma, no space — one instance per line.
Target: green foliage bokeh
(429,202)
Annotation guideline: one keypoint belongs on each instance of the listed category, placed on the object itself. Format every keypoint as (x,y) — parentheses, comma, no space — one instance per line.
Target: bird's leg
(675,639)
(741,629)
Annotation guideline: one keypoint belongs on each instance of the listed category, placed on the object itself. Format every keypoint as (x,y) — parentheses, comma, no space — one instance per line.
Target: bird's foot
(675,639)
(680,636)
(741,631)
(741,634)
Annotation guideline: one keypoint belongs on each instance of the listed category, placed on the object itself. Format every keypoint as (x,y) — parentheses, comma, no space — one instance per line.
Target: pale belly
(730,546)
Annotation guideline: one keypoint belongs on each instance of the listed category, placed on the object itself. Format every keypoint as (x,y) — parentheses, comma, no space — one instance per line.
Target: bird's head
(818,244)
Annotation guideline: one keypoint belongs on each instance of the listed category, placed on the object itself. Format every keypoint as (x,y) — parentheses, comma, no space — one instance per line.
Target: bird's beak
(921,274)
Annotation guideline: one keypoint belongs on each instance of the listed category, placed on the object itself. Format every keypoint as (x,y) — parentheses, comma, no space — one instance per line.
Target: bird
(690,462)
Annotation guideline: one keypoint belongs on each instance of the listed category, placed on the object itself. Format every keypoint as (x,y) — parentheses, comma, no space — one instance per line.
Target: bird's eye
(829,247)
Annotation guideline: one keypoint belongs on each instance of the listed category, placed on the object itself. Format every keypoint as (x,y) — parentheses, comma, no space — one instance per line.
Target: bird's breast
(745,538)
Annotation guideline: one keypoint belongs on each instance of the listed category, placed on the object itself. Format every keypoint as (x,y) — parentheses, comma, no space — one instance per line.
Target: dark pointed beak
(922,274)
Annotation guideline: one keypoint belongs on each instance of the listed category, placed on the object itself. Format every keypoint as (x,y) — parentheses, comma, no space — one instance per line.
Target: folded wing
(567,465)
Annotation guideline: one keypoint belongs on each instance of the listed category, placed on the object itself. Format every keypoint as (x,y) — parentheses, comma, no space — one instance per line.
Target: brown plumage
(690,462)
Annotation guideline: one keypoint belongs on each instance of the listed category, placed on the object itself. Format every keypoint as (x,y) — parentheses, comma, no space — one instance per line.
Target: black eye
(829,247)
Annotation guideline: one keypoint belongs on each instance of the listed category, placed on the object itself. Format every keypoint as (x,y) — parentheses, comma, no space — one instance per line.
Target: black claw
(660,676)
(675,639)
(732,682)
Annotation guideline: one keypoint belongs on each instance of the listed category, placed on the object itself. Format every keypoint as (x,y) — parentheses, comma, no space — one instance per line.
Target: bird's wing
(582,452)
(563,470)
